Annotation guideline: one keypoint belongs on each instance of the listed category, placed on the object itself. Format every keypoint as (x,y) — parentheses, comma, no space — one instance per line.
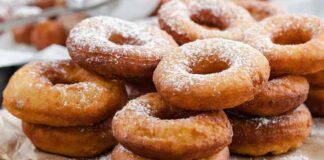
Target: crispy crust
(61,94)
(188,80)
(46,33)
(275,135)
(290,39)
(179,17)
(259,10)
(316,79)
(315,101)
(85,141)
(116,48)
(147,127)
(121,153)
(277,97)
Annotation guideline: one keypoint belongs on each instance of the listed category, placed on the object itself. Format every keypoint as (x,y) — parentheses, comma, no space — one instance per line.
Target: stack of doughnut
(65,109)
(244,57)
(45,32)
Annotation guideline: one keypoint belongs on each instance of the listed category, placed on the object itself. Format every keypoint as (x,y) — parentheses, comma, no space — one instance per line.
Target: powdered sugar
(177,16)
(93,35)
(260,36)
(237,55)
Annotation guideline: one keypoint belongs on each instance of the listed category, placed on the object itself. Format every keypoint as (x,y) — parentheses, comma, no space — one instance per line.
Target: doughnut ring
(61,93)
(259,10)
(115,48)
(315,101)
(275,135)
(316,79)
(85,141)
(150,128)
(211,74)
(280,95)
(121,153)
(47,33)
(290,39)
(189,20)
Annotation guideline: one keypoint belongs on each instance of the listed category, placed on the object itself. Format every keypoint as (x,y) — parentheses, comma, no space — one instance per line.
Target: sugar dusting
(260,35)
(176,14)
(79,94)
(240,57)
(93,34)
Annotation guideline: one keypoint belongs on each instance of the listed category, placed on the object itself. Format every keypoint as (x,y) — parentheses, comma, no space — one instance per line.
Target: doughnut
(315,101)
(259,10)
(293,43)
(22,34)
(50,3)
(136,88)
(280,95)
(161,2)
(189,20)
(211,74)
(316,79)
(115,48)
(150,128)
(121,153)
(60,93)
(275,135)
(46,33)
(79,141)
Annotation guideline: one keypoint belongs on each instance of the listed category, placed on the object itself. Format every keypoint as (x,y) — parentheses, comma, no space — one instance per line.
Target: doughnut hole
(207,65)
(58,75)
(208,20)
(292,36)
(119,39)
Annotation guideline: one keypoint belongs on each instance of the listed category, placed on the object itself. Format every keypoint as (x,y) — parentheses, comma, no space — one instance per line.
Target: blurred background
(37,29)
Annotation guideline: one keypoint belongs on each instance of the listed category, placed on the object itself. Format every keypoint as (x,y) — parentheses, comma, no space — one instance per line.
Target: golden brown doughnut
(121,153)
(21,34)
(116,48)
(189,20)
(50,3)
(46,33)
(293,43)
(315,101)
(259,10)
(275,135)
(280,95)
(211,74)
(149,127)
(61,93)
(80,141)
(316,79)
